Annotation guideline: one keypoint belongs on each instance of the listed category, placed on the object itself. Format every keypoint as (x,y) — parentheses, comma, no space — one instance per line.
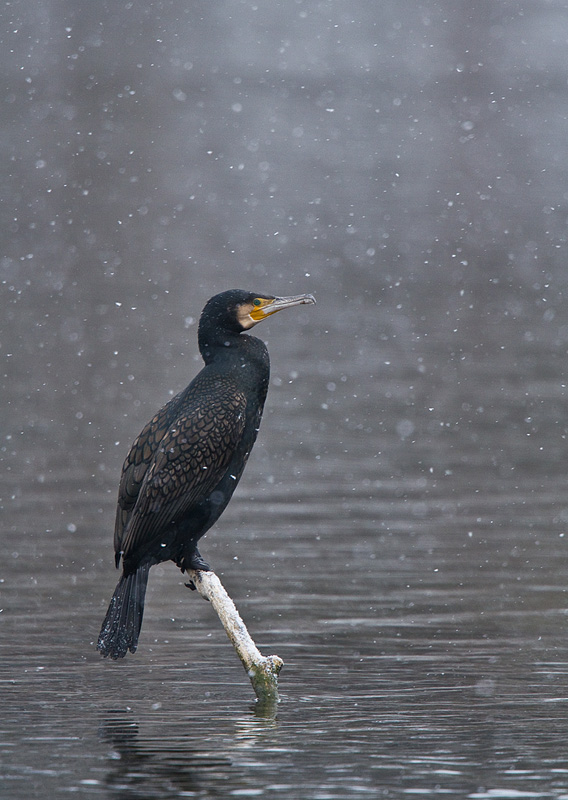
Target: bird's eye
(256,302)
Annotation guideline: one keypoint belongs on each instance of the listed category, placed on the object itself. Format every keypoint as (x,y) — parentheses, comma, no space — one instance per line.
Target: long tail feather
(121,626)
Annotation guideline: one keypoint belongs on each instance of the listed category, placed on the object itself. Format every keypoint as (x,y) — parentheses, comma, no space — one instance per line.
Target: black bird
(183,468)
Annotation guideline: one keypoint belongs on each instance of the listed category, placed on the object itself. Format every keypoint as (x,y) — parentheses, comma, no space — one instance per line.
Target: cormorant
(183,468)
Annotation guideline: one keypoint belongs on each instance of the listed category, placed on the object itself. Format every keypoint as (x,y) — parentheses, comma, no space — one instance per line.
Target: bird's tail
(121,626)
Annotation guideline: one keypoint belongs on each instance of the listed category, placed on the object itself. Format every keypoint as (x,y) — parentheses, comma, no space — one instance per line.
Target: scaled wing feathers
(179,458)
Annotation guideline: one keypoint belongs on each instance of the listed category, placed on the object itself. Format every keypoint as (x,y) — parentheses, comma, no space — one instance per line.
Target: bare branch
(262,670)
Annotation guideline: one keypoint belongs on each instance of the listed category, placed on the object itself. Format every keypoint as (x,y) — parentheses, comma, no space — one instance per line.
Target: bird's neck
(242,355)
(214,341)
(225,345)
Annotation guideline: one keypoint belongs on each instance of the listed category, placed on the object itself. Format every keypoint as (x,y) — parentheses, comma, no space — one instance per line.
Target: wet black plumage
(184,466)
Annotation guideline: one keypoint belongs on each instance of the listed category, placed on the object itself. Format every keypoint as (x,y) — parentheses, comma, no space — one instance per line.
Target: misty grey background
(399,534)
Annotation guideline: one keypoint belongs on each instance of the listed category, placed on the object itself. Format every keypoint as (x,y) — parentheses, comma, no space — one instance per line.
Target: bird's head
(239,310)
(257,307)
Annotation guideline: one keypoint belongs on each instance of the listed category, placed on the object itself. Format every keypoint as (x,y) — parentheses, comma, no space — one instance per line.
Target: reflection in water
(398,724)
(146,765)
(155,768)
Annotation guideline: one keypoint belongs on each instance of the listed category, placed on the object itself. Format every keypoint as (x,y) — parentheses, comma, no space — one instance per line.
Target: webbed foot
(196,562)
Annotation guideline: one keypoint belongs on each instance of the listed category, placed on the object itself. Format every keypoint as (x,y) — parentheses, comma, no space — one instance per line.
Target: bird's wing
(189,462)
(137,463)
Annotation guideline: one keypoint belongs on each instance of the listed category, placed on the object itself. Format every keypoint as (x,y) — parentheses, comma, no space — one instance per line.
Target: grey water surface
(399,535)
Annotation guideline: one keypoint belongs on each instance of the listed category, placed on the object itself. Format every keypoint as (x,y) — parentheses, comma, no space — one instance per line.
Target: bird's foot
(195,561)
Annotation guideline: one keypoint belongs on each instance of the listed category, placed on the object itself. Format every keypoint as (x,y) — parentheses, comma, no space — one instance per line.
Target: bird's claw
(197,563)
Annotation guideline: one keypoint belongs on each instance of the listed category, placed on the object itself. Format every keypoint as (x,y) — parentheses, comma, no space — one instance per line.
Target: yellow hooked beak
(264,307)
